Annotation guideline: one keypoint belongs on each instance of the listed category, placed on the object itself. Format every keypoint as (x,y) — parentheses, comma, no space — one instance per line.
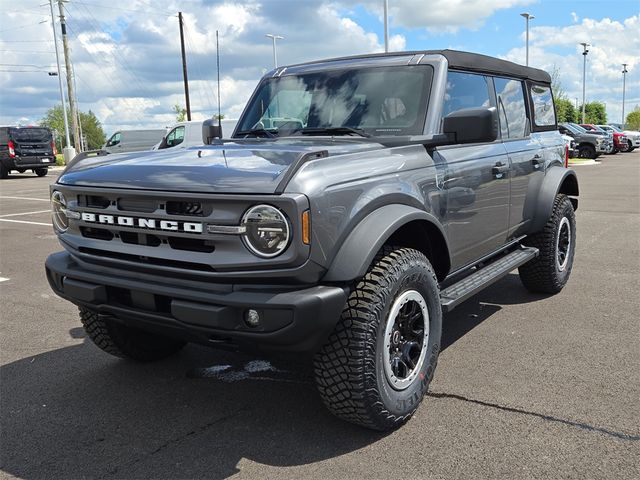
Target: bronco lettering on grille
(150,223)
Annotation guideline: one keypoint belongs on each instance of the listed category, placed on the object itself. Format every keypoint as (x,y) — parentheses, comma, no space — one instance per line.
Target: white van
(133,140)
(189,134)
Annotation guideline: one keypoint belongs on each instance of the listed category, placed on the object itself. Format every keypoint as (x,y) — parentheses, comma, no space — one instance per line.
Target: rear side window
(511,108)
(544,114)
(465,90)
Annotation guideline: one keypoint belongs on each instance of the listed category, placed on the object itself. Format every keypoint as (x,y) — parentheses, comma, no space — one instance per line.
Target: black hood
(232,167)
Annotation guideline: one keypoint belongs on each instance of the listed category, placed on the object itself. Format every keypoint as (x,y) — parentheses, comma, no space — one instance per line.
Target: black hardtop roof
(474,62)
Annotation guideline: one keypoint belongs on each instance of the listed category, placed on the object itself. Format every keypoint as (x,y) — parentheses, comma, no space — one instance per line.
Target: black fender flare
(360,247)
(557,180)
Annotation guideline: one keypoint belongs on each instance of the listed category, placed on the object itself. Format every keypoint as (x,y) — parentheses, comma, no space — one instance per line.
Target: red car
(620,143)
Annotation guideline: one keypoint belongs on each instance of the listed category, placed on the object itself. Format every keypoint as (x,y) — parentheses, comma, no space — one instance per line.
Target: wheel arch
(557,180)
(396,224)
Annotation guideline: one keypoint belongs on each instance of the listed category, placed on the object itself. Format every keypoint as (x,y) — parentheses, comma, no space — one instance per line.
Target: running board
(451,296)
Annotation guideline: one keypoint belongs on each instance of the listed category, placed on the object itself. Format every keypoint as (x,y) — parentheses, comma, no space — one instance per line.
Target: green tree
(633,119)
(565,110)
(220,117)
(91,127)
(181,113)
(594,112)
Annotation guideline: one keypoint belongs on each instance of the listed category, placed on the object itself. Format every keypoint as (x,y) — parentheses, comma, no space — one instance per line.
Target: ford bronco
(358,199)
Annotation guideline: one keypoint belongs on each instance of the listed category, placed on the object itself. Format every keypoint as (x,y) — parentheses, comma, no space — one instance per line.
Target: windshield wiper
(331,131)
(257,132)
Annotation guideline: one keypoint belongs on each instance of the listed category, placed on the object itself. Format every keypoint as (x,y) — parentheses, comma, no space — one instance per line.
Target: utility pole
(68,150)
(386,25)
(70,89)
(584,77)
(624,87)
(528,17)
(184,68)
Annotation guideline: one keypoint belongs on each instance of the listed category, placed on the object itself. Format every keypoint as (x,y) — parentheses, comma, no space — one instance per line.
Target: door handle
(537,160)
(499,169)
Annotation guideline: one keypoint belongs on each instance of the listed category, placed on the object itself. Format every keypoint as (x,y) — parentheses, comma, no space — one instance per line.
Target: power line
(146,12)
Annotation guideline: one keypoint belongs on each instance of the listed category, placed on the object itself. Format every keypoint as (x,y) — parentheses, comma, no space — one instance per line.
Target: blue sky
(127,61)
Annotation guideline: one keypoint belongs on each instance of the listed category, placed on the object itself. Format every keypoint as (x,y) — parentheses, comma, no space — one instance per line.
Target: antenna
(218,68)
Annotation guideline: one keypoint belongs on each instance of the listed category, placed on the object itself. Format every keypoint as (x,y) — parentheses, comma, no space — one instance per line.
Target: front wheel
(376,366)
(123,341)
(587,151)
(549,272)
(630,147)
(41,172)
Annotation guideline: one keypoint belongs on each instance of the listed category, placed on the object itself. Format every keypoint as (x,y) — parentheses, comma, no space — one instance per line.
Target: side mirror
(472,125)
(210,130)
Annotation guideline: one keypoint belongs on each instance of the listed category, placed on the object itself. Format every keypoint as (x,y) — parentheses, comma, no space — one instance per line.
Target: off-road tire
(350,369)
(4,173)
(587,151)
(126,342)
(41,172)
(542,274)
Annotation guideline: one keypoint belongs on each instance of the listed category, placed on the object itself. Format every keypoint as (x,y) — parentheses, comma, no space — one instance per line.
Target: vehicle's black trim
(295,166)
(295,319)
(366,239)
(553,181)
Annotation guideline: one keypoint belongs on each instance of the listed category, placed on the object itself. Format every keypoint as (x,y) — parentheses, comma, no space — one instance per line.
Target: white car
(571,143)
(189,134)
(633,137)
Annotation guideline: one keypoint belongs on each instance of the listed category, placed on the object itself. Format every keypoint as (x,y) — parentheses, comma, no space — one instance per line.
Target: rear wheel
(41,172)
(549,272)
(126,342)
(377,364)
(4,172)
(587,151)
(630,147)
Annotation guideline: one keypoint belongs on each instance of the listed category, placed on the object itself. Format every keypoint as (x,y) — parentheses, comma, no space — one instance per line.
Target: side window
(511,108)
(175,137)
(114,140)
(544,114)
(465,90)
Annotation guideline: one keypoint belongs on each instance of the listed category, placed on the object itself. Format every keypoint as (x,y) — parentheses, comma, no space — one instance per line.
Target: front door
(476,181)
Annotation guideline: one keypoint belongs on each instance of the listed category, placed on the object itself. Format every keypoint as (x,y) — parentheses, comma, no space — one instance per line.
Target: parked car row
(26,148)
(591,141)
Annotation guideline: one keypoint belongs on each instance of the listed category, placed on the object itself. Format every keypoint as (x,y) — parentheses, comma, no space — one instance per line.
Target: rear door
(32,141)
(526,158)
(476,182)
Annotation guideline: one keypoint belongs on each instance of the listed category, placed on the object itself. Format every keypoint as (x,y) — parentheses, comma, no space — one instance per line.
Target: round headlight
(59,211)
(266,231)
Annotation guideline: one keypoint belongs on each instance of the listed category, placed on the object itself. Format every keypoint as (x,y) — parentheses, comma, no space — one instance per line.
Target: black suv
(358,200)
(26,148)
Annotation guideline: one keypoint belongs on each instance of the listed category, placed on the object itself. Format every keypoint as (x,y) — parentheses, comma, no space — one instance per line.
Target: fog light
(252,318)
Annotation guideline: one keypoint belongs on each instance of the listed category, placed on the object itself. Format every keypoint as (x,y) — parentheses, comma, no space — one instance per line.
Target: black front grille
(93,201)
(185,208)
(144,260)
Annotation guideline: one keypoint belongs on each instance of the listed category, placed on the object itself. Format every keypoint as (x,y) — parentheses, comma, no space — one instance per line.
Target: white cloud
(441,15)
(612,43)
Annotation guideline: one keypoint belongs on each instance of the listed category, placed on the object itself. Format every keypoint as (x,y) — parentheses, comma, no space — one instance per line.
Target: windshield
(40,135)
(366,101)
(577,128)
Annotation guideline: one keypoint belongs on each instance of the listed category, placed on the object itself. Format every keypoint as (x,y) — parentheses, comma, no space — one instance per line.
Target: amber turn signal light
(306,227)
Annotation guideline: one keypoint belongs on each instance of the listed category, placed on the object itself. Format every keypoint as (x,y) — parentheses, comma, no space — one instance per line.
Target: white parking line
(3,279)
(24,213)
(26,198)
(24,221)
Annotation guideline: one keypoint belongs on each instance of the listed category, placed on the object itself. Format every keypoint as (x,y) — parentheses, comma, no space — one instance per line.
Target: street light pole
(584,77)
(275,54)
(624,87)
(386,25)
(527,17)
(59,75)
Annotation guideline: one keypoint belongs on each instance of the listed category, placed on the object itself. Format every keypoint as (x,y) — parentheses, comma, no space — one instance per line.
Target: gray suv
(359,199)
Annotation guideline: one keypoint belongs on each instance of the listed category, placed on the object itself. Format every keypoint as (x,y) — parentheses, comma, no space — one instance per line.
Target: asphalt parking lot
(527,386)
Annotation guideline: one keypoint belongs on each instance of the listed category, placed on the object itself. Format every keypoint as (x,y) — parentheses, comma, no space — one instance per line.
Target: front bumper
(294,319)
